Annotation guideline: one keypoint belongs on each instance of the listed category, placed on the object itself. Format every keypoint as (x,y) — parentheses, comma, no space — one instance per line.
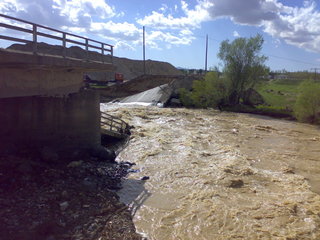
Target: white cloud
(76,16)
(173,25)
(163,8)
(276,42)
(236,34)
(192,19)
(123,45)
(155,37)
(296,26)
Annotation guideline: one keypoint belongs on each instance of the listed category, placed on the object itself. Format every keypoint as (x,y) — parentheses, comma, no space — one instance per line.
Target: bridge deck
(28,60)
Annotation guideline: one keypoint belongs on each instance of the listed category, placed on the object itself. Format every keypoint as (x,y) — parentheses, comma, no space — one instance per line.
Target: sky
(176,29)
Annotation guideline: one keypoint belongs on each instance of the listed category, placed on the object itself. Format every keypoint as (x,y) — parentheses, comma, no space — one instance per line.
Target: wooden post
(64,43)
(102,51)
(34,33)
(87,48)
(111,54)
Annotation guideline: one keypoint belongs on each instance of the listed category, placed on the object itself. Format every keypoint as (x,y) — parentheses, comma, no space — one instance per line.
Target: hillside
(128,67)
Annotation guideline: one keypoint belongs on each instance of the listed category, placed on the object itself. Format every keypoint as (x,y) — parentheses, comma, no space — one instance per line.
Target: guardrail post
(64,44)
(102,51)
(34,39)
(112,54)
(87,48)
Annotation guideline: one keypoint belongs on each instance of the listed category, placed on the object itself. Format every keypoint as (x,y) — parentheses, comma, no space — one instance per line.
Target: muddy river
(218,175)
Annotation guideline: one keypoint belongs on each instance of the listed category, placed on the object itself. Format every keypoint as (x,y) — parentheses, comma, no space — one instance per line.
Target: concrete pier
(62,123)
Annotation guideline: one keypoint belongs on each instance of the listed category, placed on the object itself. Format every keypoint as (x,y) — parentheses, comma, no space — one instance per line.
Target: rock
(287,169)
(64,194)
(49,155)
(115,186)
(64,206)
(129,164)
(51,237)
(252,97)
(103,154)
(145,178)
(237,183)
(25,168)
(89,184)
(175,102)
(75,164)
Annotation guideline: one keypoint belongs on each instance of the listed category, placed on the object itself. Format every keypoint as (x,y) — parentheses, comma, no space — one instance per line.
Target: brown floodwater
(218,175)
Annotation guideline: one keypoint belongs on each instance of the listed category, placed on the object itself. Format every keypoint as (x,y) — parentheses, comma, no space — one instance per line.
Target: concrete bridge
(42,99)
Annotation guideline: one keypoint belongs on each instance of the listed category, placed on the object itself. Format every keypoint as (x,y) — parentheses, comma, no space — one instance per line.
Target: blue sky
(176,29)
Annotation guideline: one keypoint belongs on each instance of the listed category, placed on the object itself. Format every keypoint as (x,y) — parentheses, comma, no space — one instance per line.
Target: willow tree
(243,64)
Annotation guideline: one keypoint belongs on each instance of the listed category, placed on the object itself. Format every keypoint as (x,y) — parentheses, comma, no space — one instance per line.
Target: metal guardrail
(114,126)
(64,37)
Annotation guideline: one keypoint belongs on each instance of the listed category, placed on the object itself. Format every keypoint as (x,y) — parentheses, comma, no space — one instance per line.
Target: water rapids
(218,175)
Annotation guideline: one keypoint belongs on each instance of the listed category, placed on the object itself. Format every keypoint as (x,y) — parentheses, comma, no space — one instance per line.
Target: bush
(209,92)
(185,97)
(307,106)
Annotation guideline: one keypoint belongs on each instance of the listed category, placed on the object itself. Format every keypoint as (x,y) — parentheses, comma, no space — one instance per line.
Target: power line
(206,61)
(291,59)
(269,55)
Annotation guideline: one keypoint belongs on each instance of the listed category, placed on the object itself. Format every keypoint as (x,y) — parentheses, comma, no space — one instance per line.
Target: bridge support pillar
(61,123)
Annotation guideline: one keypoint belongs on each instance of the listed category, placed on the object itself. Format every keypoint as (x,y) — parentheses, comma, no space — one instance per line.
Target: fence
(64,37)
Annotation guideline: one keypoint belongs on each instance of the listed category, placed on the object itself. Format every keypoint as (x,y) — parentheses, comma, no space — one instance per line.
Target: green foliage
(209,92)
(185,97)
(280,93)
(307,107)
(242,64)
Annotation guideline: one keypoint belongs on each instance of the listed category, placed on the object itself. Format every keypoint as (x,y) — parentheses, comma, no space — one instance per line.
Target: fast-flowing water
(218,175)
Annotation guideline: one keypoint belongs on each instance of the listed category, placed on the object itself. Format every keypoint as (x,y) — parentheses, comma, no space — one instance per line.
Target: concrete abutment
(62,123)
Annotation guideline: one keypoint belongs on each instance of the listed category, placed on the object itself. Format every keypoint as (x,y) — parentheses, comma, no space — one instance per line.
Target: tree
(243,65)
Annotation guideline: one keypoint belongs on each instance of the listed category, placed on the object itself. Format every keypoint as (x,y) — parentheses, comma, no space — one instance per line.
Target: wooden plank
(49,36)
(14,39)
(15,28)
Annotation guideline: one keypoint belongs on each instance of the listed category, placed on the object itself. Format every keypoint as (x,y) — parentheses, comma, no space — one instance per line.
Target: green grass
(279,94)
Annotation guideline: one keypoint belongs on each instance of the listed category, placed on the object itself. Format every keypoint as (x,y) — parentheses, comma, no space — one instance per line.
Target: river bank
(221,175)
(263,111)
(68,200)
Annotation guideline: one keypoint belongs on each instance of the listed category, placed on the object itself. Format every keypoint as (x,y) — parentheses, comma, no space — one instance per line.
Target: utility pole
(315,72)
(206,60)
(144,52)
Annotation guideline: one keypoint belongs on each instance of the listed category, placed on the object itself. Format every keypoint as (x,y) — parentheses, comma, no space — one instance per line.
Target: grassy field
(280,94)
(280,97)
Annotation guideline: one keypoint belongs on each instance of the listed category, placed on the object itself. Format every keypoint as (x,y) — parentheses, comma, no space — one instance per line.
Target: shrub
(209,92)
(185,97)
(307,106)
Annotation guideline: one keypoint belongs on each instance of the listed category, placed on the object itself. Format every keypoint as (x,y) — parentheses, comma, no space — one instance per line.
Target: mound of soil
(128,67)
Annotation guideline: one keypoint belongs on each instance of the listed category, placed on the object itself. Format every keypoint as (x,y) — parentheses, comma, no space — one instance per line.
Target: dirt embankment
(128,67)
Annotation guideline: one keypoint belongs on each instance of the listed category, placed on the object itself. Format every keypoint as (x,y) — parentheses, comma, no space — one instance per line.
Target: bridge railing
(65,38)
(114,124)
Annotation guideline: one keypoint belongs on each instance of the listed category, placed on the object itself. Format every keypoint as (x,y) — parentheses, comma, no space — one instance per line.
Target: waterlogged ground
(222,175)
